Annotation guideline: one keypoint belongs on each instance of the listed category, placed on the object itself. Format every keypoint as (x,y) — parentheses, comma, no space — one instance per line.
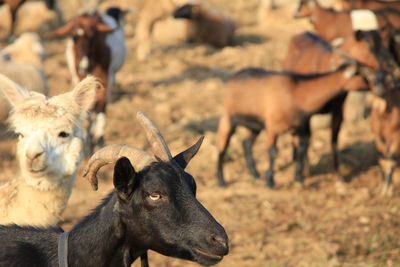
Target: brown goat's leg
(272,153)
(295,142)
(13,7)
(225,132)
(301,151)
(247,147)
(301,158)
(11,33)
(336,123)
(273,4)
(388,166)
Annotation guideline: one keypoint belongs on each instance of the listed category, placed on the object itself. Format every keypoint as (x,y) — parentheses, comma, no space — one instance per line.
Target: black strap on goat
(63,250)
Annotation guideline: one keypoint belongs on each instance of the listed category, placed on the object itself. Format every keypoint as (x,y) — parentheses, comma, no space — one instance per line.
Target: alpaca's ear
(85,91)
(14,93)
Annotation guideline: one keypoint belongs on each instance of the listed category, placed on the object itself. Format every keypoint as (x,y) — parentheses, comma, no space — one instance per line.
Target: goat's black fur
(260,72)
(128,223)
(184,12)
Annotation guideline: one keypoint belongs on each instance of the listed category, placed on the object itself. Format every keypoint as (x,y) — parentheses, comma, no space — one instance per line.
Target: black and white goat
(153,206)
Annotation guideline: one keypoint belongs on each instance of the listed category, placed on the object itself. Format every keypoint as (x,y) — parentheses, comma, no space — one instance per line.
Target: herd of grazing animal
(153,205)
(305,87)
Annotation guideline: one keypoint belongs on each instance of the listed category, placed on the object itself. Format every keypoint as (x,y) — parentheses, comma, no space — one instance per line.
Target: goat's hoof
(343,178)
(299,179)
(269,178)
(222,184)
(387,190)
(255,176)
(270,183)
(298,185)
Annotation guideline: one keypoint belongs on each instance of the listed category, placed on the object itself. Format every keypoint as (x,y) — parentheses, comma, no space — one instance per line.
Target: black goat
(153,208)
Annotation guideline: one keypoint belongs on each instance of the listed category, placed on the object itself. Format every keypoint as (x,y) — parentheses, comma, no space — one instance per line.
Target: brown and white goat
(277,102)
(369,4)
(207,26)
(97,47)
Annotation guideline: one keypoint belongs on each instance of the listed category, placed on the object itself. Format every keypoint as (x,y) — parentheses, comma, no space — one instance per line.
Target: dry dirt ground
(326,223)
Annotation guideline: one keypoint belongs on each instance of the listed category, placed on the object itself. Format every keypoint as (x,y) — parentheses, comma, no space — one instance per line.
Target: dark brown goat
(277,102)
(14,5)
(207,26)
(369,4)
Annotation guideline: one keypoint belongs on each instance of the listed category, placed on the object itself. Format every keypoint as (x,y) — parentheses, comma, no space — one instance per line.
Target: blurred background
(179,85)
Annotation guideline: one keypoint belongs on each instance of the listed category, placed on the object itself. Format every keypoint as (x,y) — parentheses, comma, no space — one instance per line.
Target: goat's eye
(155,196)
(63,134)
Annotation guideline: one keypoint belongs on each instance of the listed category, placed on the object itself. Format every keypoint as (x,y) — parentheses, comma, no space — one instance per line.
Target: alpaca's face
(50,145)
(50,133)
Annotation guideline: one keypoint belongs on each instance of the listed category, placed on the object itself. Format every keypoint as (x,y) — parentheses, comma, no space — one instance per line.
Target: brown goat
(369,4)
(277,102)
(207,26)
(331,24)
(385,126)
(307,53)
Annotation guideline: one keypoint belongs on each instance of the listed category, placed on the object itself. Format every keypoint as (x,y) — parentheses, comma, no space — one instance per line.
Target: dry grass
(324,224)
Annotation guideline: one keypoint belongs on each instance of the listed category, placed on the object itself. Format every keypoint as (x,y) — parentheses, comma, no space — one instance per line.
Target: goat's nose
(221,242)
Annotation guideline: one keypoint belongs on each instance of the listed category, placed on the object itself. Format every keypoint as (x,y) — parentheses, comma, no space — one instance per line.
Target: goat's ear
(14,93)
(103,28)
(85,91)
(184,157)
(124,177)
(62,31)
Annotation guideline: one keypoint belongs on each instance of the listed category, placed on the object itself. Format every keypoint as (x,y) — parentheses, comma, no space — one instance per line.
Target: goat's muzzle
(214,248)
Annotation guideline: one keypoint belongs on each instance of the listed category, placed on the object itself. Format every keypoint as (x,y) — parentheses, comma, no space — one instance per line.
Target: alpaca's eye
(155,196)
(63,134)
(20,135)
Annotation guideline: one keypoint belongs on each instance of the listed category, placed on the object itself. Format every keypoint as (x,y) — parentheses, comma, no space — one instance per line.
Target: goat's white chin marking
(83,65)
(80,32)
(364,20)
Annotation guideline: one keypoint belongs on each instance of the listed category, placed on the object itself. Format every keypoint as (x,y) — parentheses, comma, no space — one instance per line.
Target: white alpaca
(49,151)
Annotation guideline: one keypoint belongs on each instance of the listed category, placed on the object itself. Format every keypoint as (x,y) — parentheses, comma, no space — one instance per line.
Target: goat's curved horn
(157,142)
(112,153)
